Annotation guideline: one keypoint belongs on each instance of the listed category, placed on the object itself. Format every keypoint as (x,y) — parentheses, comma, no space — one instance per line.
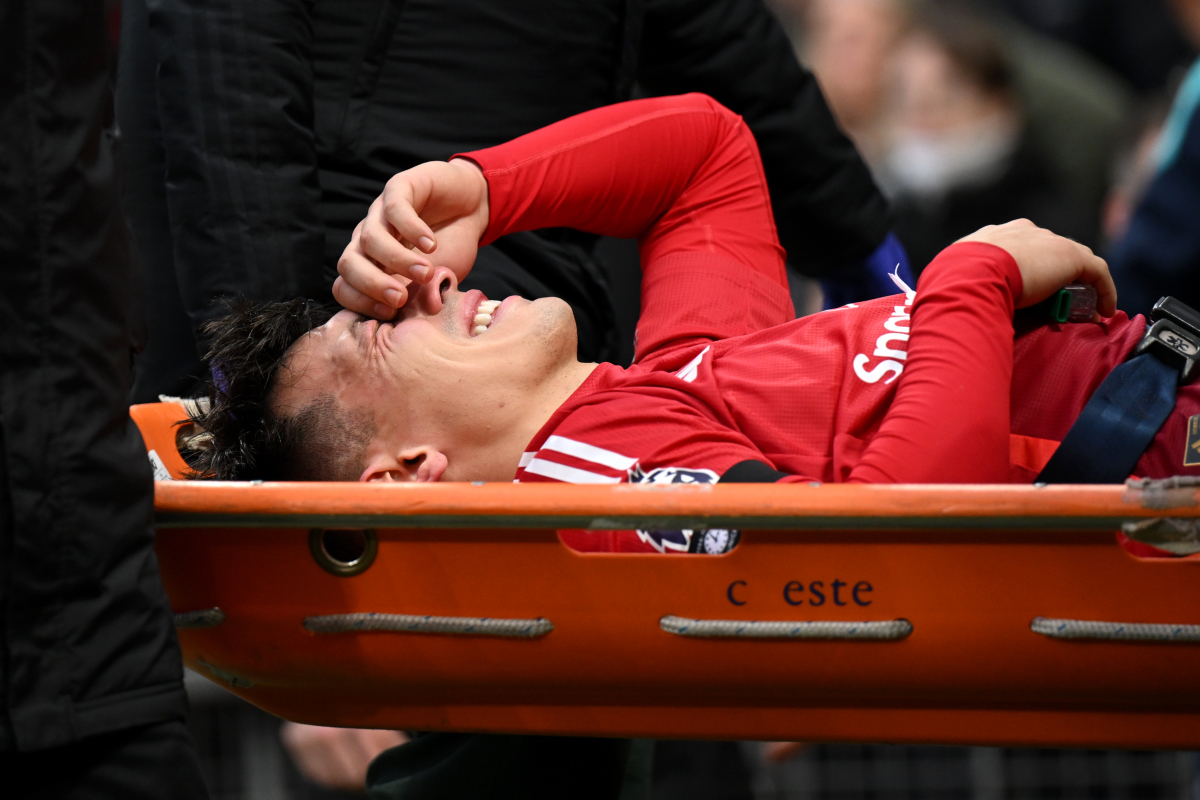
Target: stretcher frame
(999,615)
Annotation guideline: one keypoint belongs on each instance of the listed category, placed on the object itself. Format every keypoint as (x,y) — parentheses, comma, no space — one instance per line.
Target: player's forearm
(827,208)
(680,173)
(950,420)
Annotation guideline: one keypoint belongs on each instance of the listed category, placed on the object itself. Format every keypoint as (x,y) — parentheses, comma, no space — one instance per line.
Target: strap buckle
(1174,337)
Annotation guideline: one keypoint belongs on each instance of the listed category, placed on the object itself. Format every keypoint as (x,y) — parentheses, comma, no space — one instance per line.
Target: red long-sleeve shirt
(924,389)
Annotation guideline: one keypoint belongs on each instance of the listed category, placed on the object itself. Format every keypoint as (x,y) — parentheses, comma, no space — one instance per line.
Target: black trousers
(153,762)
(462,766)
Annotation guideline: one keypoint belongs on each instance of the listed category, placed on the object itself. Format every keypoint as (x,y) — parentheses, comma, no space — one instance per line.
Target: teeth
(483,316)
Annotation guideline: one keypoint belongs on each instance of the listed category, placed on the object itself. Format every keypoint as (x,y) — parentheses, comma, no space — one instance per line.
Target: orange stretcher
(938,614)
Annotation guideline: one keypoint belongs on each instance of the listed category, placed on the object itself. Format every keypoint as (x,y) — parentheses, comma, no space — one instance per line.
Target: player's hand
(336,758)
(1049,262)
(432,215)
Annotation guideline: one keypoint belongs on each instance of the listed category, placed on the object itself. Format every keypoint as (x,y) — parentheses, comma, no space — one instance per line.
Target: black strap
(1117,425)
(751,471)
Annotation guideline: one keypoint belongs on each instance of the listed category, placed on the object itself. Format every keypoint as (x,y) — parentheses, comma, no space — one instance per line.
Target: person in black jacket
(259,132)
(90,674)
(276,123)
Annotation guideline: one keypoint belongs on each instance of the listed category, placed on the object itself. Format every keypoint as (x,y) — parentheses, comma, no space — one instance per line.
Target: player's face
(447,359)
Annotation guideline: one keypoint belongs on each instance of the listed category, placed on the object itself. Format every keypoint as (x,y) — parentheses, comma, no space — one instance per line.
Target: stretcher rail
(187,504)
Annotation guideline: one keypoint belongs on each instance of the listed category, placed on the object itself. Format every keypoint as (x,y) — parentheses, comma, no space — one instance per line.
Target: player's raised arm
(682,174)
(951,418)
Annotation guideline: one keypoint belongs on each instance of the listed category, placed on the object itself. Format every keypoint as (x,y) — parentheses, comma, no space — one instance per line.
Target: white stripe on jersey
(689,372)
(526,457)
(587,452)
(561,472)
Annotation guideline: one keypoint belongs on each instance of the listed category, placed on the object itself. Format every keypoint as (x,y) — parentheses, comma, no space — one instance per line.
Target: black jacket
(88,643)
(282,119)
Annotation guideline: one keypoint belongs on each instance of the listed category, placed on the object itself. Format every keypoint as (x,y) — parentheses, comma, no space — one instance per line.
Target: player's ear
(424,464)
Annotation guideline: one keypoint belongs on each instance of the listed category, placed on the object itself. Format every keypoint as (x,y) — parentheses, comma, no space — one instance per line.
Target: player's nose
(431,297)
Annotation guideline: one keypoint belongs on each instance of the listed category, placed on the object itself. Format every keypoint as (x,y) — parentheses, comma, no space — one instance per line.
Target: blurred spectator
(848,44)
(958,155)
(1137,39)
(1073,110)
(1134,166)
(1160,251)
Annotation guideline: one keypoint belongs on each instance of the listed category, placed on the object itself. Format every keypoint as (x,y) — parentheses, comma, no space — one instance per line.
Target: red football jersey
(934,385)
(806,397)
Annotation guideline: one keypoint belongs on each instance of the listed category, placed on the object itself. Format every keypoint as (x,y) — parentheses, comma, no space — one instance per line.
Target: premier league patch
(714,541)
(665,475)
(1191,451)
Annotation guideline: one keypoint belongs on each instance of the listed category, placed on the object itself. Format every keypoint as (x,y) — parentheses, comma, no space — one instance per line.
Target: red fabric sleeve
(950,420)
(683,175)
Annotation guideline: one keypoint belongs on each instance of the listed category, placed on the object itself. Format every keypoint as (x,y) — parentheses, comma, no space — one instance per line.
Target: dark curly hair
(245,439)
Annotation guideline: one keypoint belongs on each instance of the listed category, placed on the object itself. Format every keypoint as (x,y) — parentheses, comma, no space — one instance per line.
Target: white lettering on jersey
(896,330)
(689,372)
(878,371)
(882,349)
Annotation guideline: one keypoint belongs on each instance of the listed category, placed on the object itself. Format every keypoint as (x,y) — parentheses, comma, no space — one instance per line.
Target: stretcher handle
(413,623)
(880,630)
(1114,631)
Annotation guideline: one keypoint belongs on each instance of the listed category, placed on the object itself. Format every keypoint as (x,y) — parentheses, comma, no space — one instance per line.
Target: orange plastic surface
(969,567)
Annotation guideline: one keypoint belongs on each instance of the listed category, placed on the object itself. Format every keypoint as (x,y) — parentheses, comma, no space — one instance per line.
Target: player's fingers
(349,297)
(400,200)
(384,244)
(1094,271)
(366,277)
(1106,291)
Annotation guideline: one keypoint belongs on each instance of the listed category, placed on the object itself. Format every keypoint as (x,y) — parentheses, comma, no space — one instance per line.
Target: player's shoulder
(600,437)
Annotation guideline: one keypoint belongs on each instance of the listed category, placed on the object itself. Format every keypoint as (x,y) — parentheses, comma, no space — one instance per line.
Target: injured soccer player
(417,381)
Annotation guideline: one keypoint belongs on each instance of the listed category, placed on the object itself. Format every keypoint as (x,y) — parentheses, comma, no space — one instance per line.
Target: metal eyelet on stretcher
(344,553)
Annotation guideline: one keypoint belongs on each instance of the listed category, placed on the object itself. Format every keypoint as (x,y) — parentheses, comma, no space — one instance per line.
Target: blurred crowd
(972,113)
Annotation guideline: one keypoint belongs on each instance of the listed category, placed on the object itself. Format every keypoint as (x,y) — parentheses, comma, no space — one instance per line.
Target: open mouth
(483,316)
